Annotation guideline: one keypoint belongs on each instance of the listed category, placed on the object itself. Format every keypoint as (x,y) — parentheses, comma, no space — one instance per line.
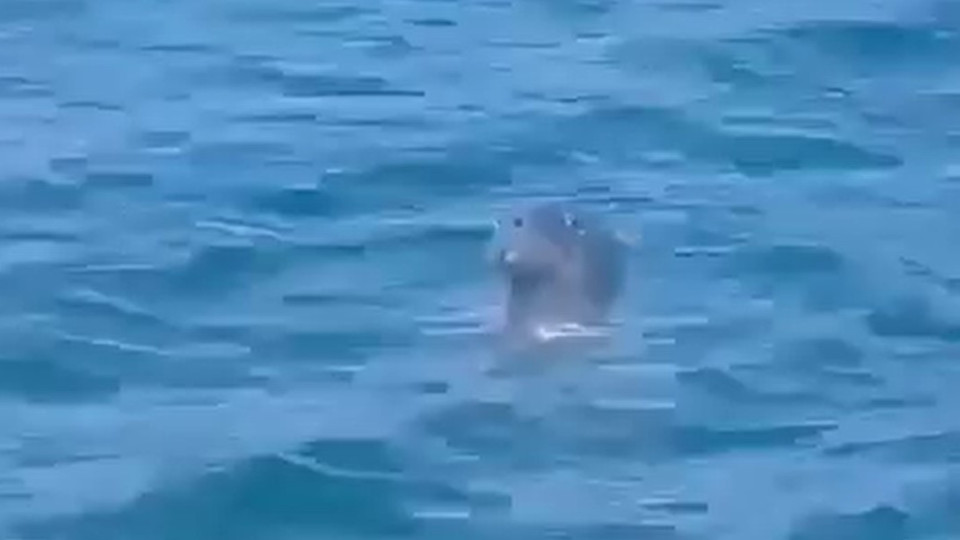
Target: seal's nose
(505,258)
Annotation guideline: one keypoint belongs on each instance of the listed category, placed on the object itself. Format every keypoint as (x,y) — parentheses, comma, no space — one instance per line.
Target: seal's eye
(571,221)
(518,222)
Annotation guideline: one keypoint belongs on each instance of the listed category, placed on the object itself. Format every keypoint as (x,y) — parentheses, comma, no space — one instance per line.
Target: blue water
(243,290)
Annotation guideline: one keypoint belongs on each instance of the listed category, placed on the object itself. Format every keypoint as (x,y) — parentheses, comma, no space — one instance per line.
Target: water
(244,297)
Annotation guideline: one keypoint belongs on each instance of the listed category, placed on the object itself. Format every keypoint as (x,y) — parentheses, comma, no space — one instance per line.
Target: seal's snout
(509,257)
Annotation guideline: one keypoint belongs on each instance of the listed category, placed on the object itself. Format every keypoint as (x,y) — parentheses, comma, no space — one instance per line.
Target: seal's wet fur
(561,266)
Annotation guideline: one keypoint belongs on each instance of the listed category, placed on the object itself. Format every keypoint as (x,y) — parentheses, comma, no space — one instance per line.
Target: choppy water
(243,292)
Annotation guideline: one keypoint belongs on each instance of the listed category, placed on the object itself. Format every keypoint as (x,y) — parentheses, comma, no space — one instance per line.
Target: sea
(244,291)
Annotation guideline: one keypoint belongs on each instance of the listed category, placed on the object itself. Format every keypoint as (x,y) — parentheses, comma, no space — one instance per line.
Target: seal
(560,266)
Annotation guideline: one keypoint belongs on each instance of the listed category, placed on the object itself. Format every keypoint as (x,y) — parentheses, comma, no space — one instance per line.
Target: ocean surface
(243,292)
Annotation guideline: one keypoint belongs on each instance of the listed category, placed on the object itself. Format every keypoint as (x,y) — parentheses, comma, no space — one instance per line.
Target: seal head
(561,266)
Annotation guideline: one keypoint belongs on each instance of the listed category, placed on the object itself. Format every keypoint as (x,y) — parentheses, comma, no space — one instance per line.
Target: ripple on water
(40,377)
(25,10)
(287,12)
(349,487)
(932,448)
(864,44)
(880,523)
(222,267)
(912,317)
(30,195)
(817,275)
(411,183)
